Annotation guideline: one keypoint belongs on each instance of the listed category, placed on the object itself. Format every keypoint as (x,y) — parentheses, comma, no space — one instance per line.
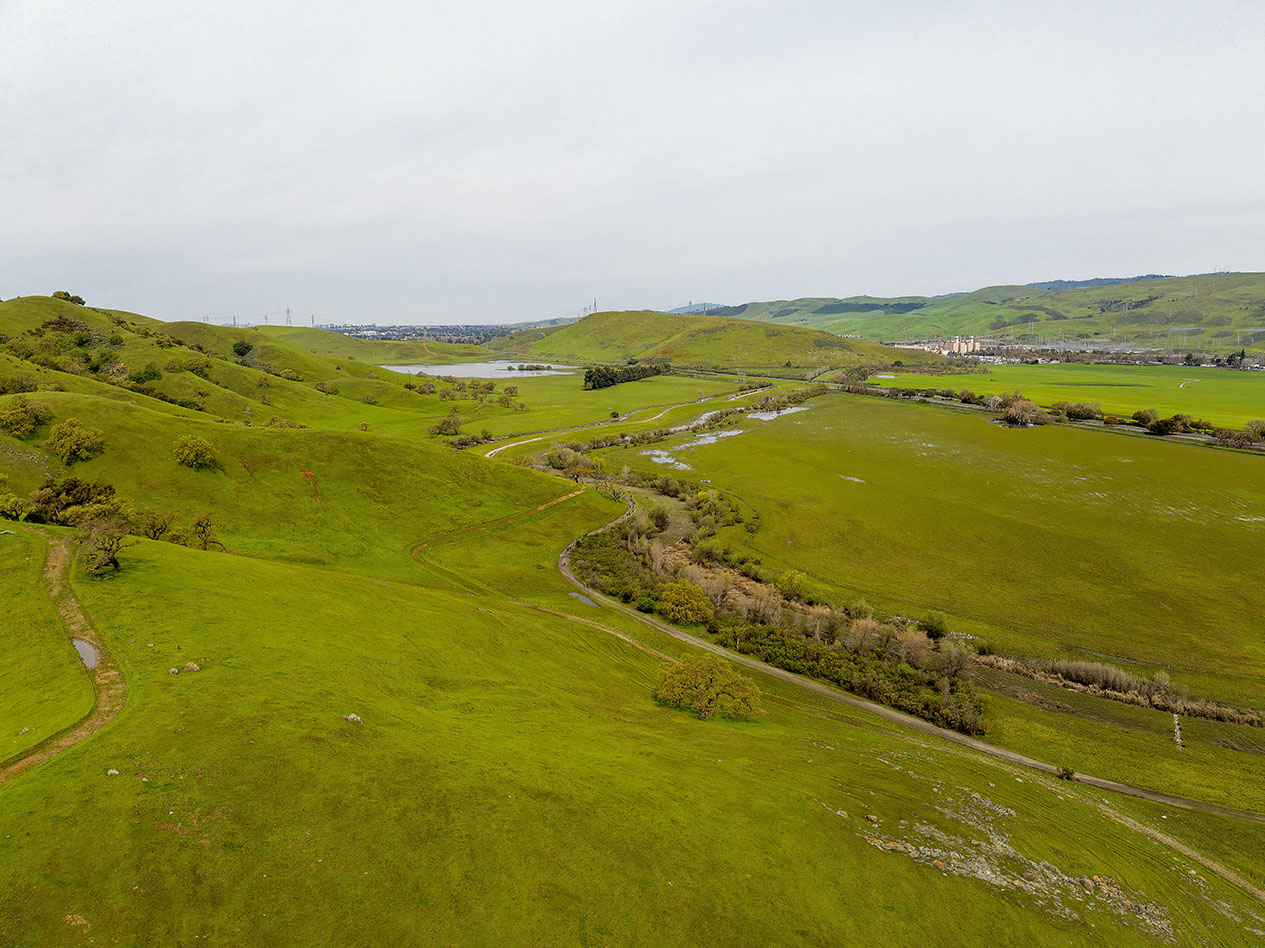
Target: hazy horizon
(490,163)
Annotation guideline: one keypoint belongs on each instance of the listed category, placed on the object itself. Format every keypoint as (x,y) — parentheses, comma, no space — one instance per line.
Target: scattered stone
(871,817)
(7,533)
(354,719)
(111,772)
(173,671)
(192,667)
(23,731)
(1086,884)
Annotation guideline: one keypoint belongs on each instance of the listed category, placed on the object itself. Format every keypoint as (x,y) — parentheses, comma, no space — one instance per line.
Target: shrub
(18,382)
(1145,417)
(149,373)
(195,452)
(935,625)
(329,388)
(706,684)
(12,507)
(68,297)
(369,398)
(241,348)
(1022,412)
(20,418)
(685,603)
(72,441)
(450,424)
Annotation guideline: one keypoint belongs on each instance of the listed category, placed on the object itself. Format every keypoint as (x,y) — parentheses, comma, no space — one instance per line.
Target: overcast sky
(484,161)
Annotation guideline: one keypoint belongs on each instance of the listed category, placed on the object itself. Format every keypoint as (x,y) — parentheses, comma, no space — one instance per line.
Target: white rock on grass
(354,719)
(111,772)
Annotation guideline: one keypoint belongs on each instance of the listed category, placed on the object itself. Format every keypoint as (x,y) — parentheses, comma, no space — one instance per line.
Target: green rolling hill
(711,341)
(1220,311)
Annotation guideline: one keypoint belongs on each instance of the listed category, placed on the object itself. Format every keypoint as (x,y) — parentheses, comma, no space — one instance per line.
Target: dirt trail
(108,686)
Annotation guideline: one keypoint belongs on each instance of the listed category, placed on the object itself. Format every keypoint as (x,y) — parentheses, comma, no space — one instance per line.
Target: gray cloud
(488,161)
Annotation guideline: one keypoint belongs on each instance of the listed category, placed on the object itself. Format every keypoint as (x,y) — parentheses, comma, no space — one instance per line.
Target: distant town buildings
(957,346)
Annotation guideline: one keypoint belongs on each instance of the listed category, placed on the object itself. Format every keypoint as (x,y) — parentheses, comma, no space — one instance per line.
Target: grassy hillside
(1222,310)
(248,376)
(513,782)
(696,340)
(511,779)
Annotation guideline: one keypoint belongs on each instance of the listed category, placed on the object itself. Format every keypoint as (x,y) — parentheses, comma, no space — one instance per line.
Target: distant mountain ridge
(1210,310)
(1100,281)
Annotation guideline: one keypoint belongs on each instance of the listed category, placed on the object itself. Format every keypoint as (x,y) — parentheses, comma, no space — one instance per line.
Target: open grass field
(1225,398)
(698,340)
(512,780)
(1046,541)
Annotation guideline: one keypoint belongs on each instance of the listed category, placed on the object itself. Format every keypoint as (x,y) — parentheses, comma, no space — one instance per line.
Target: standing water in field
(87,652)
(484,370)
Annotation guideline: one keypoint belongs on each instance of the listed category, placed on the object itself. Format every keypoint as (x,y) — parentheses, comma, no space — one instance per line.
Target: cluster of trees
(903,664)
(68,297)
(604,376)
(1107,681)
(1250,434)
(105,521)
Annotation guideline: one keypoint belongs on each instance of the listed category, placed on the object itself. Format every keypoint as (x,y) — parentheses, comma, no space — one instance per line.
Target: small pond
(502,369)
(87,651)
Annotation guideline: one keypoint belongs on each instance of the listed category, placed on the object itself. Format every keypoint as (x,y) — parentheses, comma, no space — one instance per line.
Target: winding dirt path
(108,685)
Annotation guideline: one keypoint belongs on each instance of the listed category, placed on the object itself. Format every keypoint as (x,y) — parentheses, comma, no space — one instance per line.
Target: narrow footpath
(108,685)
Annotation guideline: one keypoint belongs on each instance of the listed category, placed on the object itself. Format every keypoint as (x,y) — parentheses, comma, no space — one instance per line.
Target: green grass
(43,687)
(1048,541)
(512,782)
(697,340)
(358,499)
(1220,396)
(1221,308)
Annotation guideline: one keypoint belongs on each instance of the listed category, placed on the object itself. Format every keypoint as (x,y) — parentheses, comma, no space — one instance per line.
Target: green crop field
(1223,397)
(509,777)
